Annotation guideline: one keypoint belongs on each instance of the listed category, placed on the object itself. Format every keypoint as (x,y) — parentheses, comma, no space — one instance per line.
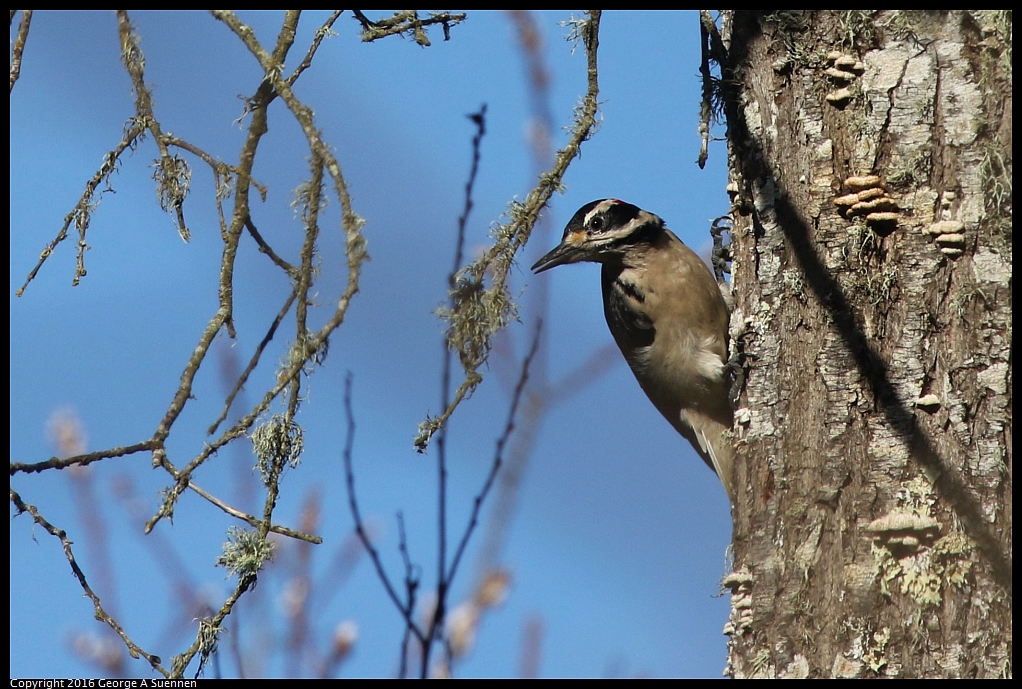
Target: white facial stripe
(641,219)
(609,234)
(600,207)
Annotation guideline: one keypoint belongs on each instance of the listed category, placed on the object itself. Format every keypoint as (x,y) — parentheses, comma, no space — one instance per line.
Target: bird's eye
(596,223)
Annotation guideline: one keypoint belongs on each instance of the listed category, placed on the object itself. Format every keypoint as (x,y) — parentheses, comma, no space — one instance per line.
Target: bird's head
(601,231)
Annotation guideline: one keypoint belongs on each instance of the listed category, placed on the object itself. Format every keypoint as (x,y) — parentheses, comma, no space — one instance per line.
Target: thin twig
(468,332)
(351,223)
(479,119)
(253,362)
(406,22)
(253,521)
(310,205)
(257,106)
(498,458)
(184,390)
(240,428)
(411,588)
(266,249)
(180,662)
(206,639)
(437,623)
(96,539)
(19,44)
(81,214)
(81,460)
(172,174)
(321,33)
(705,108)
(101,615)
(411,571)
(223,318)
(310,345)
(216,165)
(360,530)
(284,378)
(537,304)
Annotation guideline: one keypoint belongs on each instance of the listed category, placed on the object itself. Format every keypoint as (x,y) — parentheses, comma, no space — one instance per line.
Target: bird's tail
(713,434)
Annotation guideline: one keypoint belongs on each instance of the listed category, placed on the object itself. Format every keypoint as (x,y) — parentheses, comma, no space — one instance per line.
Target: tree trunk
(871,175)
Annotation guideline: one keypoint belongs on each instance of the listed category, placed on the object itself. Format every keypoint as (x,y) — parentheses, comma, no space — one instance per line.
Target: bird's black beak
(558,256)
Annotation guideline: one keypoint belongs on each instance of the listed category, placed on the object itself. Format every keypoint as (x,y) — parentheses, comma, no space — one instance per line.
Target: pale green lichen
(907,558)
(907,571)
(245,552)
(277,443)
(951,557)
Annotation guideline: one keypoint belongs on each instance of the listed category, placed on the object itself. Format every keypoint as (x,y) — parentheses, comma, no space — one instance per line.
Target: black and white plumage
(666,314)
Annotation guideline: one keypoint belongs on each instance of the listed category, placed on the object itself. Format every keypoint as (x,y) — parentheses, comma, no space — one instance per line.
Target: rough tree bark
(871,175)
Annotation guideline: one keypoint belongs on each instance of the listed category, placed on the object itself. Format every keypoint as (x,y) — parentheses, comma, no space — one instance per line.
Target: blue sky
(618,539)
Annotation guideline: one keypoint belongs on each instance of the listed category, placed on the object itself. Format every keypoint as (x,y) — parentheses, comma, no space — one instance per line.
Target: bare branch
(216,165)
(310,202)
(479,119)
(467,292)
(411,588)
(19,44)
(481,311)
(253,362)
(82,459)
(712,48)
(498,457)
(407,22)
(101,615)
(81,214)
(206,641)
(322,32)
(171,173)
(253,521)
(308,347)
(350,221)
(349,475)
(173,176)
